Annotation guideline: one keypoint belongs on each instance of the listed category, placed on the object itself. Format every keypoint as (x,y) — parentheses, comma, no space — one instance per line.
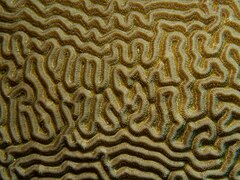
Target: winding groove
(119,89)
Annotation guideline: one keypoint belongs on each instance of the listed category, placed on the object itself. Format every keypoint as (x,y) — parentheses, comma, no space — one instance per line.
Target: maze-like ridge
(119,89)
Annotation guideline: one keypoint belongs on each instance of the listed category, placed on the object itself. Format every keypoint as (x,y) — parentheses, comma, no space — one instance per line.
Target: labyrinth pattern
(119,89)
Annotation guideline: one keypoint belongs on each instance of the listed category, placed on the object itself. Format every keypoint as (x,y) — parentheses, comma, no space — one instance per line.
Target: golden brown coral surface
(119,89)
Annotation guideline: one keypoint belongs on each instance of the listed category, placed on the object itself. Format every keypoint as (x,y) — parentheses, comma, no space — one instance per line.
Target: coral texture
(119,89)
